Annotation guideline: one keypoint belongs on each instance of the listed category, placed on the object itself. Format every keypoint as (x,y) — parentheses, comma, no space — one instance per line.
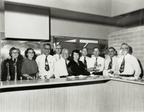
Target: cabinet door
(26,22)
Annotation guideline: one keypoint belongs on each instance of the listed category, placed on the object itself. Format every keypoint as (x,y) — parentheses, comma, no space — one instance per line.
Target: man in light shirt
(58,50)
(96,63)
(61,70)
(128,66)
(46,63)
(110,66)
(84,58)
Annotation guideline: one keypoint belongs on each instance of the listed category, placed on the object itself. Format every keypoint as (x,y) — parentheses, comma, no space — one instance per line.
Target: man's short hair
(64,49)
(84,48)
(58,45)
(96,48)
(112,48)
(115,51)
(124,44)
(46,44)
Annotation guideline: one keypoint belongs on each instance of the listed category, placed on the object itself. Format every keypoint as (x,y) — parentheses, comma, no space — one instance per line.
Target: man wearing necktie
(122,66)
(61,70)
(58,50)
(84,58)
(96,63)
(128,66)
(110,67)
(46,63)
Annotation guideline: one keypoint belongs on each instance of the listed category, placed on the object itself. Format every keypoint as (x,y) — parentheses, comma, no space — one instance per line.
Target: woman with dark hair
(29,68)
(11,68)
(76,67)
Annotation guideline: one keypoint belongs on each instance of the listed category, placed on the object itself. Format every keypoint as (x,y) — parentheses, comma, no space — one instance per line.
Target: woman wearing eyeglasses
(11,68)
(29,68)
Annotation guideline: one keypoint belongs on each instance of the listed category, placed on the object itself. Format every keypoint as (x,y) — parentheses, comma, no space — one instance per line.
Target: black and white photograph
(71,55)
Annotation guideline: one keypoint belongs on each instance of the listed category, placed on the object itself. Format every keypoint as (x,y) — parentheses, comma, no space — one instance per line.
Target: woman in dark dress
(11,68)
(29,67)
(76,67)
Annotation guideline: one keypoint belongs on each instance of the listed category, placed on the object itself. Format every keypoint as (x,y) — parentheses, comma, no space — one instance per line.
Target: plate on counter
(92,75)
(71,77)
(81,76)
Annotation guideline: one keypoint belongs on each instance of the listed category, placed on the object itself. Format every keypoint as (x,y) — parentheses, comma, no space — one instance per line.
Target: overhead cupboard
(26,22)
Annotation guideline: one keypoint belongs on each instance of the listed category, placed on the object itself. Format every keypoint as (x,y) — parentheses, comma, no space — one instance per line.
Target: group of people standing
(60,65)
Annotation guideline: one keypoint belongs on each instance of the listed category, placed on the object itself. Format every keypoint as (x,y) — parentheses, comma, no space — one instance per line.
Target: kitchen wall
(60,27)
(29,22)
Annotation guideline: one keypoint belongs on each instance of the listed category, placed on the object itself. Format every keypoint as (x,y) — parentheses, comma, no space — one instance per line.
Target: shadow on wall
(141,75)
(131,51)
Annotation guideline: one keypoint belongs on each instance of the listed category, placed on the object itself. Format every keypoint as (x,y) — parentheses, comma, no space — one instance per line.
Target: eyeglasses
(110,51)
(31,52)
(14,52)
(46,48)
(96,51)
(123,48)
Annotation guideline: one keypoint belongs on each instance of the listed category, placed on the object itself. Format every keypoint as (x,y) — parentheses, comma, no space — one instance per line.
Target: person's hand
(45,77)
(29,77)
(90,69)
(39,77)
(116,75)
(96,69)
(99,65)
(110,72)
(124,78)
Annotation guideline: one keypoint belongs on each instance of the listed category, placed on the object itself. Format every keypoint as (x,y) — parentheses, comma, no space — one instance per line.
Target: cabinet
(25,22)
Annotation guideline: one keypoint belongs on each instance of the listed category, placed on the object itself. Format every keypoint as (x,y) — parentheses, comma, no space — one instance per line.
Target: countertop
(61,82)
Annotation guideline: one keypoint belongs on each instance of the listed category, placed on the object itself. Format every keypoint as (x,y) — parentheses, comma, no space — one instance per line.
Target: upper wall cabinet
(22,22)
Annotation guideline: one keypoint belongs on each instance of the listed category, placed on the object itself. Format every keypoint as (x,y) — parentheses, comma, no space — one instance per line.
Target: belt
(127,75)
(62,76)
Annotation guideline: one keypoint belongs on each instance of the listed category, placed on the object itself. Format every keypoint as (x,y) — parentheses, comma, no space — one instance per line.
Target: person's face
(124,49)
(58,49)
(30,54)
(75,56)
(15,54)
(84,52)
(65,54)
(96,52)
(46,49)
(111,52)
